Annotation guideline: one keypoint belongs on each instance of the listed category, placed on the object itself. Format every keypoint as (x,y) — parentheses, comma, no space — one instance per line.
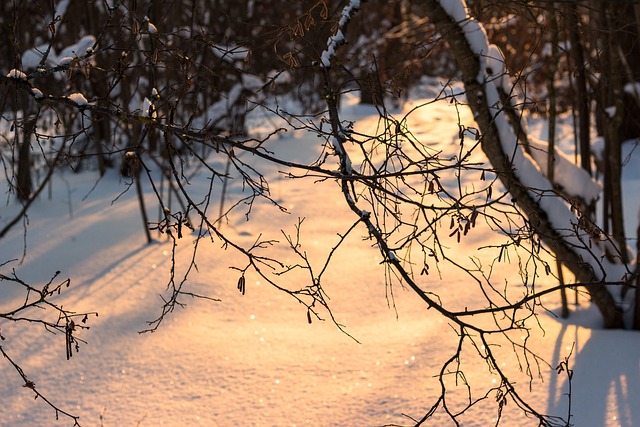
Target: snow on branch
(573,180)
(338,38)
(85,46)
(473,31)
(525,168)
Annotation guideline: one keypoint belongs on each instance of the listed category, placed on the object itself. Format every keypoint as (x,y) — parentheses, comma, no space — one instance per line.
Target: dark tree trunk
(24,183)
(551,138)
(370,89)
(615,101)
(582,97)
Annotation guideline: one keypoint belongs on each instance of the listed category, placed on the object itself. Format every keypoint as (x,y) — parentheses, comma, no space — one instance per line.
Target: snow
(231,54)
(66,60)
(37,93)
(338,38)
(457,10)
(61,8)
(78,98)
(78,48)
(633,89)
(561,218)
(473,31)
(148,109)
(611,111)
(151,29)
(254,359)
(495,65)
(31,58)
(17,74)
(574,180)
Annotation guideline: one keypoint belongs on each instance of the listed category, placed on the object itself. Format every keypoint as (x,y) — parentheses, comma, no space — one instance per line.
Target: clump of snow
(37,93)
(17,74)
(151,29)
(78,98)
(65,61)
(79,48)
(611,111)
(573,179)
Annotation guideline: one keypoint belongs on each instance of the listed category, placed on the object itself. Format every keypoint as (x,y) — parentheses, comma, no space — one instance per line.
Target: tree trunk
(551,138)
(469,65)
(582,96)
(24,183)
(615,104)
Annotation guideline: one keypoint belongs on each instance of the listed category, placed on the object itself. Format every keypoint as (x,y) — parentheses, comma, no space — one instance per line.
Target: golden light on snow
(229,372)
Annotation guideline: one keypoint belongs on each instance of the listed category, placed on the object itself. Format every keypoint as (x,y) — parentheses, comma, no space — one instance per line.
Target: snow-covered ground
(254,359)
